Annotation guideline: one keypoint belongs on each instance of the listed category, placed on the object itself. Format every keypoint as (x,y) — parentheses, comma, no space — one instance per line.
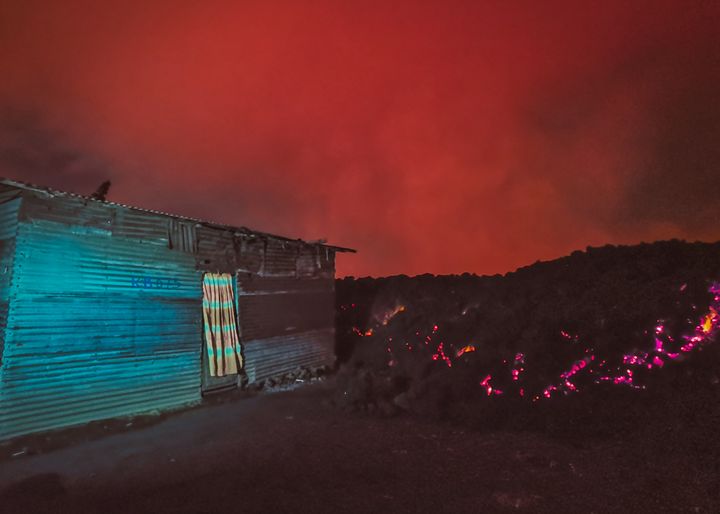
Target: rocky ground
(294,451)
(609,324)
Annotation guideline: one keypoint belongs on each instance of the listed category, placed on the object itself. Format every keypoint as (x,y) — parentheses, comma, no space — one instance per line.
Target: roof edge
(50,192)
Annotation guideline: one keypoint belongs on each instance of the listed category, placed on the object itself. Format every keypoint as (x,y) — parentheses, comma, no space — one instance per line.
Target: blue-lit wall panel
(99,325)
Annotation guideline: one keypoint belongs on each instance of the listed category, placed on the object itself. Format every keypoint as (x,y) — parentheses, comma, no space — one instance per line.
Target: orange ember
(707,324)
(465,349)
(391,314)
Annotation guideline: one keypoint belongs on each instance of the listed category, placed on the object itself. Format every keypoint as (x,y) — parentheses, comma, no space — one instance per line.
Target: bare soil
(294,452)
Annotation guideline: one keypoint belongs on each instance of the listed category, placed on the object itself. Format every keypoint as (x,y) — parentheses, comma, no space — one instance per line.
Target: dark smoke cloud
(37,154)
(678,181)
(635,149)
(433,136)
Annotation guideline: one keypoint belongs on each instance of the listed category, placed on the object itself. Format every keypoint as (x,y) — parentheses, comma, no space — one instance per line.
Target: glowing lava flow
(710,321)
(664,348)
(703,332)
(566,385)
(654,358)
(383,320)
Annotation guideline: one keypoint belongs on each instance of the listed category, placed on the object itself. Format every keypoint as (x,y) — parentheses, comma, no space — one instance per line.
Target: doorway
(222,359)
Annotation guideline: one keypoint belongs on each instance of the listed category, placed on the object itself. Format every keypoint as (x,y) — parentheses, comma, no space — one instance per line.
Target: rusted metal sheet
(182,236)
(216,250)
(269,315)
(140,225)
(256,285)
(270,308)
(274,356)
(79,211)
(9,206)
(10,200)
(286,322)
(280,258)
(250,252)
(308,262)
(326,259)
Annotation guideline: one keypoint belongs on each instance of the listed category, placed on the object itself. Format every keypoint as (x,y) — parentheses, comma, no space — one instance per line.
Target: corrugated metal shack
(102,305)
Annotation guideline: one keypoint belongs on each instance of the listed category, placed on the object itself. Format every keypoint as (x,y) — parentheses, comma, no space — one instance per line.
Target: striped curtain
(221,334)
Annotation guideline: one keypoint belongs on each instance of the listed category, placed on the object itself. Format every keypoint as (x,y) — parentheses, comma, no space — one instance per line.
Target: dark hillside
(611,342)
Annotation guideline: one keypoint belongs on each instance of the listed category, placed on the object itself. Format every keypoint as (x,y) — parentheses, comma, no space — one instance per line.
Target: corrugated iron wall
(250,254)
(9,204)
(273,306)
(100,324)
(216,250)
(286,321)
(103,312)
(10,200)
(273,356)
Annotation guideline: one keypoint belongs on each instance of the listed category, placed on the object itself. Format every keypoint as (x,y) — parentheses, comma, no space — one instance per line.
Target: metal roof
(57,193)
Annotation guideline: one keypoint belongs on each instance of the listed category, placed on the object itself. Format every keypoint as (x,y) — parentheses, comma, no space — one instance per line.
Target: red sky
(432,136)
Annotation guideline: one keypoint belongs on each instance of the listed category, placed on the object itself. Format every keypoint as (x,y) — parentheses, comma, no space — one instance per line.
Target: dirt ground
(293,452)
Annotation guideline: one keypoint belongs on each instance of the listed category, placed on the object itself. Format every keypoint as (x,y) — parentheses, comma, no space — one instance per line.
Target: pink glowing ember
(485,383)
(517,366)
(440,355)
(661,350)
(569,337)
(704,332)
